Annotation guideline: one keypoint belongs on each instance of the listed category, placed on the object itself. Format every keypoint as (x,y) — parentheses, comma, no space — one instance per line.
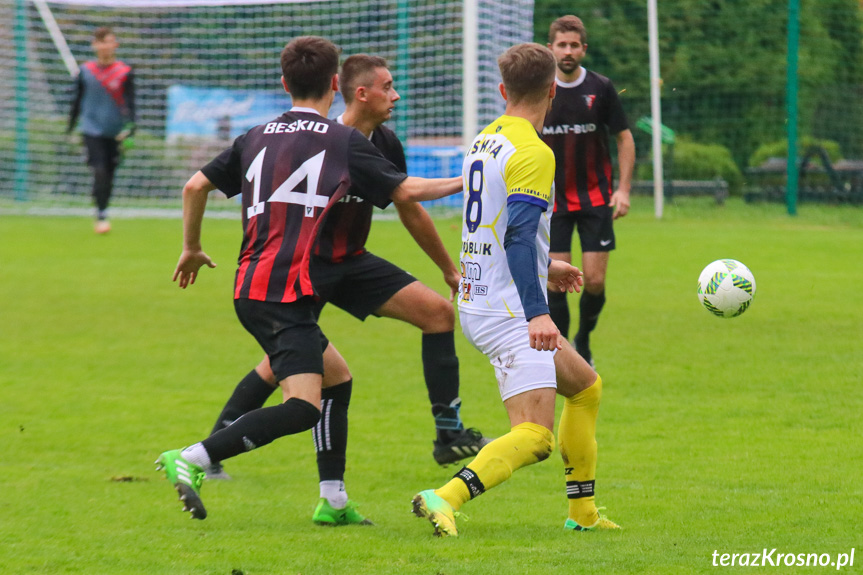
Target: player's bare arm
(419,224)
(195,194)
(626,162)
(414,189)
(564,277)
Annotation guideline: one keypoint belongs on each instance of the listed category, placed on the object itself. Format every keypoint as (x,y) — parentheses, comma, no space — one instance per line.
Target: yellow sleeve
(529,174)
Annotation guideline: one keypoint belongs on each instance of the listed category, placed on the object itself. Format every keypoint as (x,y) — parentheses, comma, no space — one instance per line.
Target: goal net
(206,71)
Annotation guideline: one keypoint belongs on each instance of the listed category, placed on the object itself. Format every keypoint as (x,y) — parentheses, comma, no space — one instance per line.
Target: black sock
(440,368)
(558,308)
(331,433)
(251,393)
(589,308)
(260,427)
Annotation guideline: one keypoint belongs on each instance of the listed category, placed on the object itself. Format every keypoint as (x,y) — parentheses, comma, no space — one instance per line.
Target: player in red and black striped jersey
(586,110)
(361,283)
(304,182)
(291,172)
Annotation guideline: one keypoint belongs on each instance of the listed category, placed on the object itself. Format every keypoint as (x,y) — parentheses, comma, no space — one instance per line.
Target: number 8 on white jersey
(508,161)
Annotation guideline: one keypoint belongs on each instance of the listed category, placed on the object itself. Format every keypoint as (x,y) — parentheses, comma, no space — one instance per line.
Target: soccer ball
(726,288)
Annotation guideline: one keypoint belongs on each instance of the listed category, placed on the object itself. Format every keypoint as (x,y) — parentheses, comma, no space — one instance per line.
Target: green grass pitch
(714,435)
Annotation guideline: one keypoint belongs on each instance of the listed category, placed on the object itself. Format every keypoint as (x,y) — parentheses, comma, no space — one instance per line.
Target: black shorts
(359,285)
(288,333)
(595,230)
(102,152)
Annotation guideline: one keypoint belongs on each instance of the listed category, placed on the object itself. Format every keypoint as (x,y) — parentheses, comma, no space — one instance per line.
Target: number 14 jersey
(507,162)
(290,172)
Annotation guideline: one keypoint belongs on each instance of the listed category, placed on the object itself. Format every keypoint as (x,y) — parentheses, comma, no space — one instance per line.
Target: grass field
(715,435)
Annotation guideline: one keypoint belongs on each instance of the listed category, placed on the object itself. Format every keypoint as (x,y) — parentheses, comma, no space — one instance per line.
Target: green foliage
(694,161)
(708,435)
(779,149)
(723,66)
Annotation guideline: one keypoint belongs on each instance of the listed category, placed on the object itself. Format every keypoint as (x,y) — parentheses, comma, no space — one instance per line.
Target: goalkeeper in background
(509,183)
(104,99)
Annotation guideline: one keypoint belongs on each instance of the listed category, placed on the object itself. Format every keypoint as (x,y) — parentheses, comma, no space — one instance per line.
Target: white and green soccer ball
(726,288)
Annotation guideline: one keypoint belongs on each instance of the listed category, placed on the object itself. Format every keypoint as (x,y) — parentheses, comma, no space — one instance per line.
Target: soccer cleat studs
(186,478)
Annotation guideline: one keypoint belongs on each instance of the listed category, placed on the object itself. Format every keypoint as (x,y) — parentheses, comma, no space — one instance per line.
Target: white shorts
(506,343)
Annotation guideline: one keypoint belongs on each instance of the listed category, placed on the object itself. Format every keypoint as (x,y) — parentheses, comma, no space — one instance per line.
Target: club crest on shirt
(589,99)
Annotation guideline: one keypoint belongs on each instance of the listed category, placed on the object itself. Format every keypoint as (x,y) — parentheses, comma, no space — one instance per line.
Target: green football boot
(326,514)
(440,513)
(186,478)
(602,523)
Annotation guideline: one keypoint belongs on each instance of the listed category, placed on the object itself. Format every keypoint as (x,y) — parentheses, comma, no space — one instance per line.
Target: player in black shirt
(361,283)
(291,172)
(585,112)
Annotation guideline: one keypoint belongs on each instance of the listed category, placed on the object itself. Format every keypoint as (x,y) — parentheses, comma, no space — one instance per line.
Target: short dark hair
(308,65)
(527,71)
(102,32)
(568,23)
(356,72)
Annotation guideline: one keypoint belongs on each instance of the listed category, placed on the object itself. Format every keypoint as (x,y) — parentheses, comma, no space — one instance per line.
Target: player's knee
(336,374)
(594,390)
(587,392)
(594,285)
(439,316)
(539,440)
(336,369)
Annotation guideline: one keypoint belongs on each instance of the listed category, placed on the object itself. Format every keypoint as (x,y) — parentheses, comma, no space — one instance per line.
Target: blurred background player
(585,111)
(104,99)
(509,182)
(361,283)
(278,167)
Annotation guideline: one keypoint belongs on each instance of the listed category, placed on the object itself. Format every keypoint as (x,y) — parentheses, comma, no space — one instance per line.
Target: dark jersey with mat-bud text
(582,116)
(346,228)
(291,172)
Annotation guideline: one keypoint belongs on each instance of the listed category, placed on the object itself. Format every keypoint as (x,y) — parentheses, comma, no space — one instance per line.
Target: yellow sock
(525,444)
(577,440)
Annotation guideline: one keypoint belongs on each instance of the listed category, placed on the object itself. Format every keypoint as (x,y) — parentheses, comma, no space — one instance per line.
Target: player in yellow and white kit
(508,177)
